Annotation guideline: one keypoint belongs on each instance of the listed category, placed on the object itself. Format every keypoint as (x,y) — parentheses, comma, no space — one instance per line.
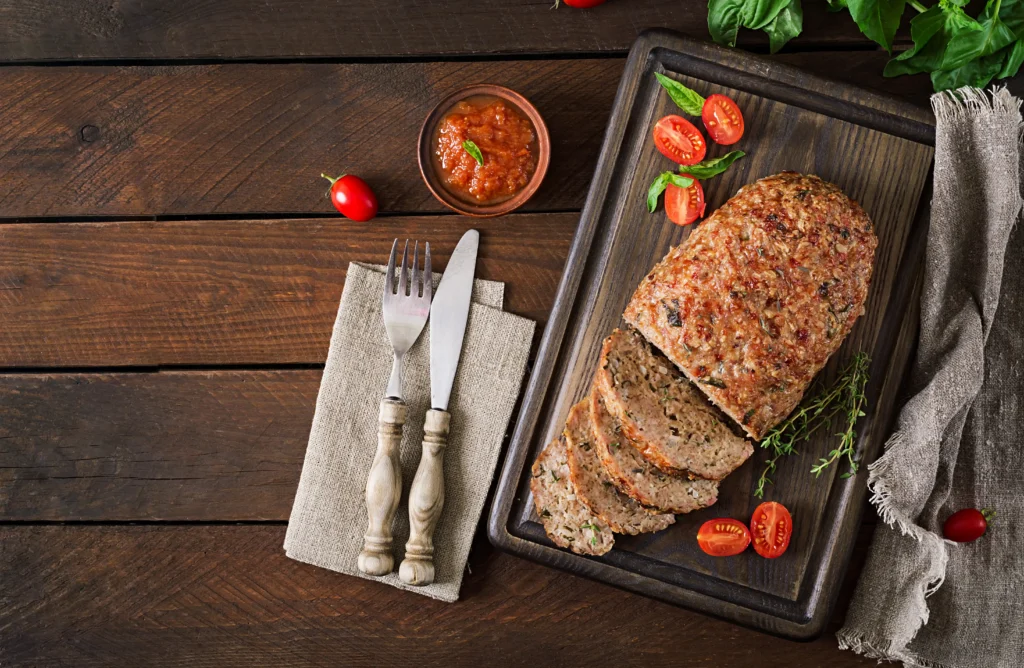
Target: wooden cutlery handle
(426,499)
(383,490)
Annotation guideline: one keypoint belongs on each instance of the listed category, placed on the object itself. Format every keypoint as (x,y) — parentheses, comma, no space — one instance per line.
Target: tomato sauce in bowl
(507,141)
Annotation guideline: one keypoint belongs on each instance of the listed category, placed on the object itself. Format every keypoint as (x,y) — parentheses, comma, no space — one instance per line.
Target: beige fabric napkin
(328,517)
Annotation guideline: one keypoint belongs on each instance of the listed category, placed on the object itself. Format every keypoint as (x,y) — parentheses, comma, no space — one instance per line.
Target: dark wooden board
(794,121)
(232,291)
(41,30)
(227,596)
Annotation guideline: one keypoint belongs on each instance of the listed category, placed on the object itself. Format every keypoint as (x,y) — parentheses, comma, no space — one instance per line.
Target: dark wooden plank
(240,139)
(197,445)
(40,30)
(793,122)
(227,596)
(230,292)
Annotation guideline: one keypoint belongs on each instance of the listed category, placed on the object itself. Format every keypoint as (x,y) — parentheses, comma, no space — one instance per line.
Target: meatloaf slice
(759,296)
(670,422)
(566,520)
(595,488)
(637,477)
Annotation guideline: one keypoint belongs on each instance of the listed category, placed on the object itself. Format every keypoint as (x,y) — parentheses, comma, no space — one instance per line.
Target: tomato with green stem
(967,525)
(352,197)
(684,205)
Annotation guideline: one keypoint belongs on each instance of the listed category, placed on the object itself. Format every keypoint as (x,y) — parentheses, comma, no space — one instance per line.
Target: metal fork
(405,312)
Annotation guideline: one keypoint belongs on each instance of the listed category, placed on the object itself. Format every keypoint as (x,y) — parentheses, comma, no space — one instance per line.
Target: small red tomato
(684,205)
(352,197)
(966,525)
(723,119)
(723,537)
(679,141)
(771,526)
(581,4)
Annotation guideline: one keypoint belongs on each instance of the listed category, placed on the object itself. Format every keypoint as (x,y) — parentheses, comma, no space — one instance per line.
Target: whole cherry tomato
(967,525)
(581,4)
(352,197)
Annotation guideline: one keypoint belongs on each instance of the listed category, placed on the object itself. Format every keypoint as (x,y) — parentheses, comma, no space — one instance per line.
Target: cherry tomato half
(679,141)
(966,525)
(723,119)
(684,205)
(352,197)
(771,527)
(723,537)
(581,4)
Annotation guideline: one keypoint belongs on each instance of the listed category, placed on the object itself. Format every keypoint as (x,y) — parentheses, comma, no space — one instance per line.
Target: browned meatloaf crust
(595,488)
(674,426)
(638,478)
(566,520)
(759,296)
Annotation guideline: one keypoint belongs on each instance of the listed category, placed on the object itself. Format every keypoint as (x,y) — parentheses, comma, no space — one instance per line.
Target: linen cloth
(328,517)
(920,599)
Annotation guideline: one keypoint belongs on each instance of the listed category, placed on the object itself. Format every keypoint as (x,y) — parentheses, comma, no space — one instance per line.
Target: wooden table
(169,275)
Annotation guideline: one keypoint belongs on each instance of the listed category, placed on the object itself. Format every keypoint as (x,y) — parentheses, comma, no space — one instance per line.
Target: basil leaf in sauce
(661,183)
(473,150)
(713,167)
(687,100)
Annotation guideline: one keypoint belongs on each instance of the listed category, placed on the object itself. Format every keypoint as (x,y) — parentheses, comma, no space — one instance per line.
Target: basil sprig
(661,183)
(686,99)
(474,151)
(712,167)
(781,19)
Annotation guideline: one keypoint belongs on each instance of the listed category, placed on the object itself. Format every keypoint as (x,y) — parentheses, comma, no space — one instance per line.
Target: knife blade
(449,312)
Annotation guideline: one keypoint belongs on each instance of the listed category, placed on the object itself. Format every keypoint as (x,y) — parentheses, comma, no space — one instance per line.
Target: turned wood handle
(383,490)
(426,499)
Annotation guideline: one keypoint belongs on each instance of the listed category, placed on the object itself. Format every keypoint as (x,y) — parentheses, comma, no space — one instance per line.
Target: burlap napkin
(328,517)
(922,600)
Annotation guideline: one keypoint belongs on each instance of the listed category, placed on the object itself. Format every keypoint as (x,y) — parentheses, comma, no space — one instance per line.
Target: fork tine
(403,276)
(428,277)
(389,278)
(417,278)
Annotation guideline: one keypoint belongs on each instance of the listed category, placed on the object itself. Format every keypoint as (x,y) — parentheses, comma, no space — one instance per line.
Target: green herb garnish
(661,183)
(474,151)
(713,167)
(554,476)
(713,382)
(845,396)
(686,99)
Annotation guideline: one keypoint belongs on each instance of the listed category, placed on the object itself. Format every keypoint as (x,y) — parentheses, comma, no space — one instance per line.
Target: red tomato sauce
(506,139)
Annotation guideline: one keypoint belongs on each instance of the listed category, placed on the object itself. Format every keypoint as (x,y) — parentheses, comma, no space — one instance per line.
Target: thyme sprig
(845,396)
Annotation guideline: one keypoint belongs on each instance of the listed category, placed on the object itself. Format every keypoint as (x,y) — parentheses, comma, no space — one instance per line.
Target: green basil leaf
(713,167)
(473,150)
(931,32)
(724,19)
(1013,60)
(968,45)
(785,26)
(1011,12)
(977,73)
(878,19)
(836,5)
(659,185)
(759,13)
(688,100)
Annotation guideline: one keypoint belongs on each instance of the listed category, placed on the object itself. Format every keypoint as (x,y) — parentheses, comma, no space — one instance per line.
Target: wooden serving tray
(880,152)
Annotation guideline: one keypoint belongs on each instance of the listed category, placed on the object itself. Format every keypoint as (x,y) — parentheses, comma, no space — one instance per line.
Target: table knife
(449,312)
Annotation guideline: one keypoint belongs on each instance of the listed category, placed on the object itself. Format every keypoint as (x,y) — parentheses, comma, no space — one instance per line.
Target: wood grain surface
(232,291)
(40,30)
(227,596)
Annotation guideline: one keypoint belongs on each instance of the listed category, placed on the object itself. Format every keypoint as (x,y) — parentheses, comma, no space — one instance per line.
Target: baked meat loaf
(566,520)
(672,424)
(637,477)
(759,296)
(595,488)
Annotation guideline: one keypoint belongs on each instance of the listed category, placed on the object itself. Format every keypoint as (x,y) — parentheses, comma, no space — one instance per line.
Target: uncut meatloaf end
(637,477)
(567,522)
(754,302)
(667,418)
(596,489)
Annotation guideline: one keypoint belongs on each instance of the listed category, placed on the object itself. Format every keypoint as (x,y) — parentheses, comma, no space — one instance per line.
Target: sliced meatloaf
(759,296)
(670,422)
(595,488)
(566,520)
(637,477)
